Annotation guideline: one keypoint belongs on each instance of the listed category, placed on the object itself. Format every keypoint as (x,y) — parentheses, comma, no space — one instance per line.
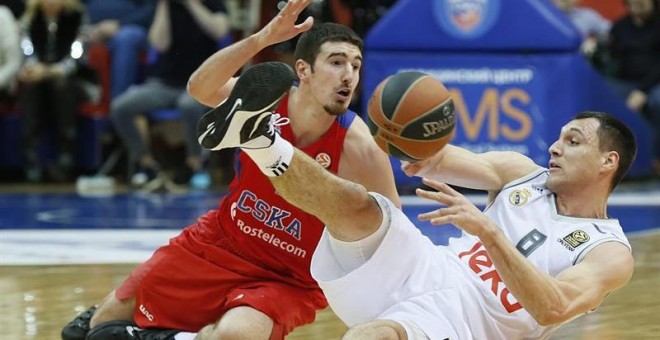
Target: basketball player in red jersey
(242,271)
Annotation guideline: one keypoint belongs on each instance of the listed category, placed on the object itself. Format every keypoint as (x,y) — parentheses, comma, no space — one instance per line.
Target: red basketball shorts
(189,284)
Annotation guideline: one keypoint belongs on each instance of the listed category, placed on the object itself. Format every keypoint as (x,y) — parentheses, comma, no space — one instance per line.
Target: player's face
(336,75)
(575,158)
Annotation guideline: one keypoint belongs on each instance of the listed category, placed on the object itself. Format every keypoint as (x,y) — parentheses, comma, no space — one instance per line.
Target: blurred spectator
(591,25)
(635,49)
(365,13)
(185,33)
(122,25)
(48,94)
(10,55)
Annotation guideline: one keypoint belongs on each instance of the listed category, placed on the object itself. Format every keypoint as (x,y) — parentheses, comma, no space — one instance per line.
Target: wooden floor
(35,301)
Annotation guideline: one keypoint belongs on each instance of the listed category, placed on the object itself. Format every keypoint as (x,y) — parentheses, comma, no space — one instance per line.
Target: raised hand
(459,211)
(283,27)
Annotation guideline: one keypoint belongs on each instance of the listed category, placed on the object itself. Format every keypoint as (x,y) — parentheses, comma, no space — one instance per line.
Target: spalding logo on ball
(411,115)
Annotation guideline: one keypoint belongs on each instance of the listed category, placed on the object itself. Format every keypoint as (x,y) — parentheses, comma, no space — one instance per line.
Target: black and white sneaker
(77,328)
(124,330)
(243,120)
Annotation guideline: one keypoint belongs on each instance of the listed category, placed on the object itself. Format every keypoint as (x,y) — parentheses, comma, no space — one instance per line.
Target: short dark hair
(309,43)
(614,135)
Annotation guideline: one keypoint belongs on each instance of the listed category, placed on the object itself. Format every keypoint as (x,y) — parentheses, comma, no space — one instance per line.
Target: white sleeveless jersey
(525,211)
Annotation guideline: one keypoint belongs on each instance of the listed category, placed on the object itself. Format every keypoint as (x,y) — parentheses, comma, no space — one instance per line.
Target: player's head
(328,61)
(593,145)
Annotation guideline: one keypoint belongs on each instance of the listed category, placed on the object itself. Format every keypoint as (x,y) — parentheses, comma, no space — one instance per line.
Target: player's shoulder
(358,136)
(359,145)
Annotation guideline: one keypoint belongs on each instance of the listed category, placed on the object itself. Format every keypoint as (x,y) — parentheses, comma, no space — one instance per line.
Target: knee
(239,323)
(375,330)
(121,109)
(233,332)
(112,309)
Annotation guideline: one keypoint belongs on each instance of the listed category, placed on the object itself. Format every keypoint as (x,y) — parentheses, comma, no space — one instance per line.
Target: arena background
(516,75)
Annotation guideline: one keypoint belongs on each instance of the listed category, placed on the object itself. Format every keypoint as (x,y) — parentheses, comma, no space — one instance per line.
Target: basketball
(411,115)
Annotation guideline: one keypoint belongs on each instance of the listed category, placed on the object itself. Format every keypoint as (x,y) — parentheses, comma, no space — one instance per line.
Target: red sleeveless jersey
(257,224)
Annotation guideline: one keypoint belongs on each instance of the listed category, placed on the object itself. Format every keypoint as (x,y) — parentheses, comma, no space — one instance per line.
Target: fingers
(441,187)
(307,24)
(439,216)
(295,7)
(438,196)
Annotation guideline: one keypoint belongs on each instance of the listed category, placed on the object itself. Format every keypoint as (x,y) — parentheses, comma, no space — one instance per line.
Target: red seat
(99,59)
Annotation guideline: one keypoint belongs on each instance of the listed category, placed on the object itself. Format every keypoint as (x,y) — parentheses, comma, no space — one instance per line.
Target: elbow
(192,88)
(546,320)
(196,89)
(551,316)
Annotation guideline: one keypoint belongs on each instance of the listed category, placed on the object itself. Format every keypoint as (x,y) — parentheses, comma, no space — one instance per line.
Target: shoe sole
(258,90)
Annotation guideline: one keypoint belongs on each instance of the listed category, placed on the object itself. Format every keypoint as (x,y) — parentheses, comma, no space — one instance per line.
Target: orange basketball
(411,115)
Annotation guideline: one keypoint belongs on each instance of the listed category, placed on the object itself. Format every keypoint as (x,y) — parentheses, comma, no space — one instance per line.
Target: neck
(309,121)
(586,203)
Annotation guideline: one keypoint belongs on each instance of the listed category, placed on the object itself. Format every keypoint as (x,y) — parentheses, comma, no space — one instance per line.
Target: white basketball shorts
(408,280)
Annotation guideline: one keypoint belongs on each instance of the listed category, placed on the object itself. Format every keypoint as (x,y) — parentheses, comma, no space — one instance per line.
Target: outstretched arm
(488,171)
(212,82)
(550,300)
(346,208)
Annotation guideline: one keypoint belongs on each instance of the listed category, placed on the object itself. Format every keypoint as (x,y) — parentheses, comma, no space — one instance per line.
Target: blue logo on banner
(466,19)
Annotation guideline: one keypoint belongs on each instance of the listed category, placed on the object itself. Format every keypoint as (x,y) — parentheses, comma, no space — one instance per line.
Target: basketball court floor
(60,253)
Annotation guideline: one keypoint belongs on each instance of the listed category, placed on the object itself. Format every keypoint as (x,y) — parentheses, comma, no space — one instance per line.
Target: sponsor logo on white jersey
(574,239)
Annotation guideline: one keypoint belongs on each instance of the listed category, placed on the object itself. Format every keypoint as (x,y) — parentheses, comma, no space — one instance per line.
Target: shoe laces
(276,120)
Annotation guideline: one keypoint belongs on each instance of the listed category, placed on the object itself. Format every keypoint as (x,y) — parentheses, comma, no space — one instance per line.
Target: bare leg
(112,309)
(239,323)
(378,329)
(349,212)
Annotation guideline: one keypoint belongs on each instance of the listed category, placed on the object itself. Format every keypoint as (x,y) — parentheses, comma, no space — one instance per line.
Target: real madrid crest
(519,198)
(324,159)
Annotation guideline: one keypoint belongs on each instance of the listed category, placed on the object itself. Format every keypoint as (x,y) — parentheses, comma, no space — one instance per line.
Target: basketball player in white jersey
(542,253)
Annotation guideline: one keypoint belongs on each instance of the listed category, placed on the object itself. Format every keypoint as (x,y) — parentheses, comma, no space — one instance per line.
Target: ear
(611,161)
(302,69)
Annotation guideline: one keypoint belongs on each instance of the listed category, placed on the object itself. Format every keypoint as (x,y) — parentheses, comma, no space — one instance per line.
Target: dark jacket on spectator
(636,51)
(68,24)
